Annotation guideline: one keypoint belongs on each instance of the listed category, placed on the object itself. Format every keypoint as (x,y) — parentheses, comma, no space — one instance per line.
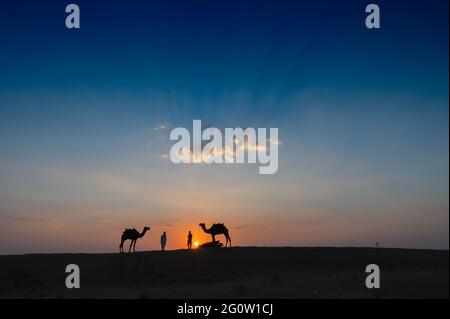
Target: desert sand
(238,272)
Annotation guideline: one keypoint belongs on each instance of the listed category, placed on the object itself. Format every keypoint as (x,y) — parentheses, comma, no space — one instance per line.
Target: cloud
(28,219)
(159,127)
(226,152)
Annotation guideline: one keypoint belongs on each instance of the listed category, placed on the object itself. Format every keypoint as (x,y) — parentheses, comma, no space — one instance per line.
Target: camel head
(146,228)
(202,225)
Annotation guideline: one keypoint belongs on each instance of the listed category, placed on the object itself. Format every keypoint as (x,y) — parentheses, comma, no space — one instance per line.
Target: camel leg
(121,246)
(134,246)
(129,250)
(227,236)
(213,237)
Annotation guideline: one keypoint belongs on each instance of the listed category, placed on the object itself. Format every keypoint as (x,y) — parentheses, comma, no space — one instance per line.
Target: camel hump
(129,231)
(218,227)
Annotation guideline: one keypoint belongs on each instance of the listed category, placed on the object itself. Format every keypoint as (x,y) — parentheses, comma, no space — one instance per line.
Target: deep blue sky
(362,114)
(217,46)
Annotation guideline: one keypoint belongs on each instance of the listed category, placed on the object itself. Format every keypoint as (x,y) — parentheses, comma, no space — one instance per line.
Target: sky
(86,114)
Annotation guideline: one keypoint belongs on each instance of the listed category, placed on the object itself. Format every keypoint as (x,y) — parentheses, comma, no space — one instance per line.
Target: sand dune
(241,272)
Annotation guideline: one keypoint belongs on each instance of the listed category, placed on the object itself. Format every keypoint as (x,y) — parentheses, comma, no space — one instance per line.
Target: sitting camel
(133,235)
(217,229)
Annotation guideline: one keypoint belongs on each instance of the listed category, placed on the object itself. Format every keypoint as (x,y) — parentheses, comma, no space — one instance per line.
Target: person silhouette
(189,242)
(163,241)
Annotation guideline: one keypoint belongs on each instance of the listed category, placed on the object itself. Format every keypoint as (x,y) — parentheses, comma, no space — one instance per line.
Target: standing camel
(133,235)
(217,229)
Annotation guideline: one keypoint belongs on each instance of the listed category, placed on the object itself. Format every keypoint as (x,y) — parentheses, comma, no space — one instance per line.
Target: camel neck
(205,229)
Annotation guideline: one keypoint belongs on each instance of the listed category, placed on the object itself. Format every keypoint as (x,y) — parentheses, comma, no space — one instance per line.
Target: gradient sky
(362,116)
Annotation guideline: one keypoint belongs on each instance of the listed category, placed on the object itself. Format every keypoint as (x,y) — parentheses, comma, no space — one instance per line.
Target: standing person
(189,240)
(163,241)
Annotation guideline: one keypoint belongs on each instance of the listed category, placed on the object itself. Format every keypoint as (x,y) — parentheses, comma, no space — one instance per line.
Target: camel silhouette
(133,235)
(217,229)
